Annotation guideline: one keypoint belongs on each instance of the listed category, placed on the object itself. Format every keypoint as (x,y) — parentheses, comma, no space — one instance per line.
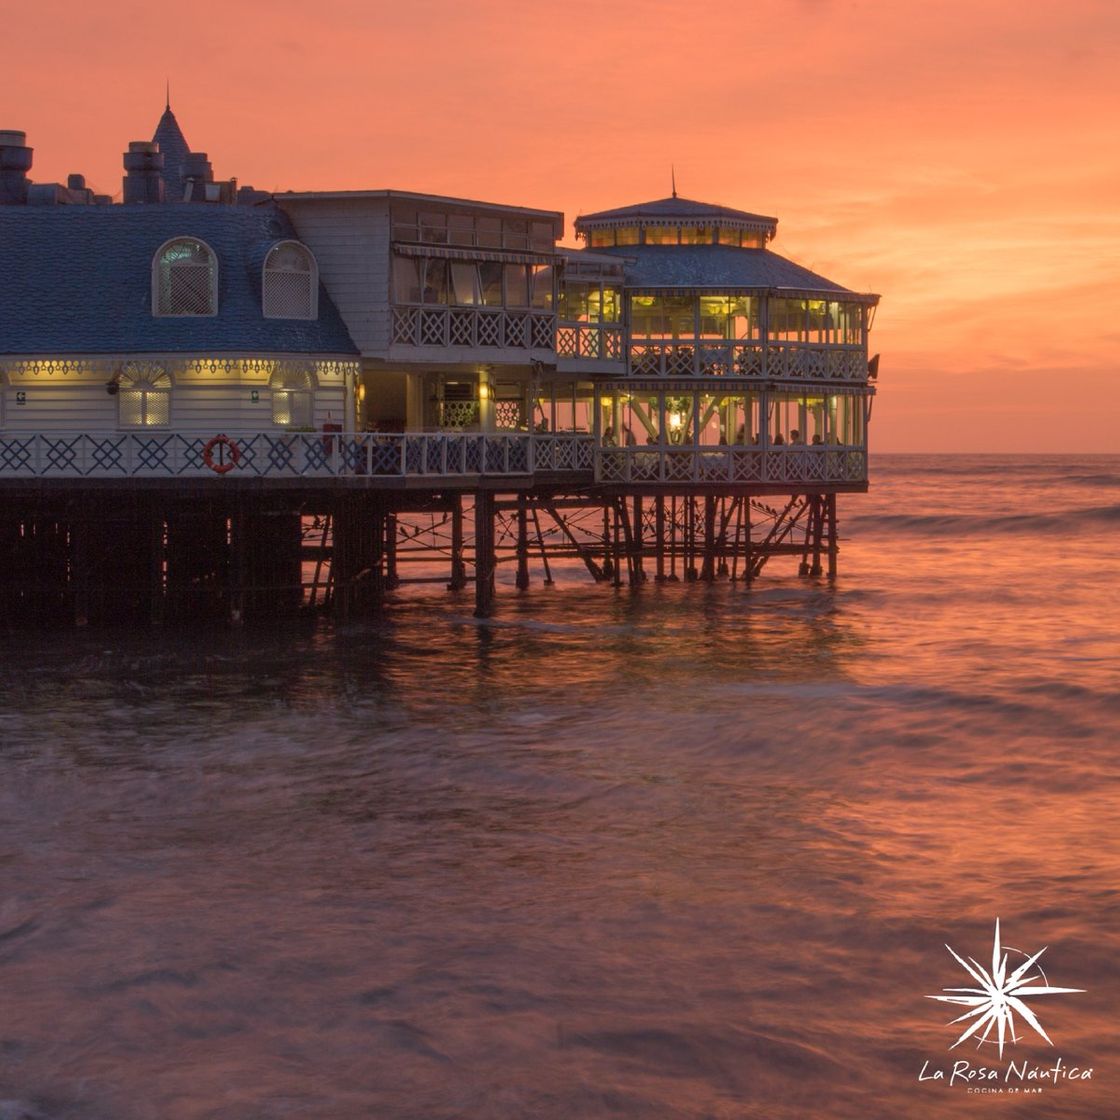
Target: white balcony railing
(474,328)
(272,455)
(712,358)
(782,465)
(291,455)
(589,342)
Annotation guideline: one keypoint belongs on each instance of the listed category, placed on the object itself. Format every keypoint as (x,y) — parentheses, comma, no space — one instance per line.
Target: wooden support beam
(484,559)
(458,568)
(522,543)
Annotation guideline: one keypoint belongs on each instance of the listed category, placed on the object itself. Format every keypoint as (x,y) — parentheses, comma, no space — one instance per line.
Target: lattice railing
(473,328)
(290,455)
(785,466)
(588,342)
(706,358)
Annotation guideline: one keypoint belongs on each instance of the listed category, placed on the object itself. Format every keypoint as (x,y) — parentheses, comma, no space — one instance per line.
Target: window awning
(451,253)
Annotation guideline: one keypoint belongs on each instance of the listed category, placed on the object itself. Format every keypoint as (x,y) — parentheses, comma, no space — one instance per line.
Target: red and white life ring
(228,457)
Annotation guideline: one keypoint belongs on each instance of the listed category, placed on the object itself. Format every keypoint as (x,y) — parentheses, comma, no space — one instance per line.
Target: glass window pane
(489,232)
(435,281)
(628,235)
(517,285)
(406,280)
(542,237)
(573,305)
(696,235)
(661,235)
(131,405)
(599,238)
(460,229)
(491,278)
(542,286)
(516,233)
(433,228)
(464,283)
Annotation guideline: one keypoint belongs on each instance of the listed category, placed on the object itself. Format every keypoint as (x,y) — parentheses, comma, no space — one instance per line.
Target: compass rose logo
(1000,996)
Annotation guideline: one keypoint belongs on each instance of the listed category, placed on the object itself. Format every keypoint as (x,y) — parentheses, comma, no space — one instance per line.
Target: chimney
(15,162)
(143,164)
(197,173)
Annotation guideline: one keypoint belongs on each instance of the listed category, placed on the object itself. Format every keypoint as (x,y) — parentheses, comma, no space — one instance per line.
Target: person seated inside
(608,436)
(817,441)
(777,441)
(629,435)
(741,434)
(795,436)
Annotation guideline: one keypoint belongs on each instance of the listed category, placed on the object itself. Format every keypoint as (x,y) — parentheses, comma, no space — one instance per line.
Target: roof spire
(673,173)
(168,103)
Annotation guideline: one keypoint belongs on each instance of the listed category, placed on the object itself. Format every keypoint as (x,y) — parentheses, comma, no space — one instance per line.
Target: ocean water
(686,852)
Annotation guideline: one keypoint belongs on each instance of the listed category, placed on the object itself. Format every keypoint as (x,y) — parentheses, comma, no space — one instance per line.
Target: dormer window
(185,279)
(291,283)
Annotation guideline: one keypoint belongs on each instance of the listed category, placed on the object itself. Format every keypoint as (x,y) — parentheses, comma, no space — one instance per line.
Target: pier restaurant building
(203,346)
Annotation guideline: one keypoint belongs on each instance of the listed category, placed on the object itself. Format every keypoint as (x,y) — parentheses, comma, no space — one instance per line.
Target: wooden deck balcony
(290,455)
(474,328)
(798,466)
(777,360)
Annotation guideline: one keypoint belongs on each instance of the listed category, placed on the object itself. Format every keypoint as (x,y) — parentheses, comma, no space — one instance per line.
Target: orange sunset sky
(960,158)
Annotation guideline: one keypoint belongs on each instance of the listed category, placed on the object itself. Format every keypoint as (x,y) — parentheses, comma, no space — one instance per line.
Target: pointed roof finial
(673,173)
(168,103)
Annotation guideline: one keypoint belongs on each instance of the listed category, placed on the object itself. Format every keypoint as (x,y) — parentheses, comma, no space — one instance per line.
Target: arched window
(185,279)
(293,396)
(291,282)
(143,395)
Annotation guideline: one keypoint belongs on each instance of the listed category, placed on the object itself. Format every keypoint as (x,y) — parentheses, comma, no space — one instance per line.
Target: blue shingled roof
(77,280)
(676,208)
(714,266)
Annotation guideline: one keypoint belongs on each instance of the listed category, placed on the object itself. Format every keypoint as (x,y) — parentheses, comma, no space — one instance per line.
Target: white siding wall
(69,404)
(350,240)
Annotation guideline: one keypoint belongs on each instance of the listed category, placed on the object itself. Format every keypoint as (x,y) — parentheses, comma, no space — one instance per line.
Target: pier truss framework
(157,555)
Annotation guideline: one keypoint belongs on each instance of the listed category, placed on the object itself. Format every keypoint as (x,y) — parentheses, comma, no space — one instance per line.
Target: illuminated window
(662,235)
(696,235)
(185,279)
(600,238)
(143,395)
(627,235)
(787,320)
(662,317)
(291,283)
(293,397)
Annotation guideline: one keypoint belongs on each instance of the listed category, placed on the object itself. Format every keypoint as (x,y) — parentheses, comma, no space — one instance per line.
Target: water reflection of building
(667,381)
